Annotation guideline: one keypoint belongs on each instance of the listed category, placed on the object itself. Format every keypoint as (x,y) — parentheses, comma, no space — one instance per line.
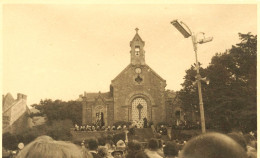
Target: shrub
(10,141)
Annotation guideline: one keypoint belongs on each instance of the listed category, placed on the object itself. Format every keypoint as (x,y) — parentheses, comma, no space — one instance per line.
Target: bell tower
(137,52)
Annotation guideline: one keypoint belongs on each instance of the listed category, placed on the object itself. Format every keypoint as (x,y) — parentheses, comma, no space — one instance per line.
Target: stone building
(14,113)
(136,93)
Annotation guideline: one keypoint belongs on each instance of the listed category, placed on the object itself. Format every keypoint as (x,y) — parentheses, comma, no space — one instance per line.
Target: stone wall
(14,113)
(151,89)
(110,112)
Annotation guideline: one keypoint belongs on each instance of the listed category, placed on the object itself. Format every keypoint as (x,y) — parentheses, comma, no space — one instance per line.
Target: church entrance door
(100,116)
(139,112)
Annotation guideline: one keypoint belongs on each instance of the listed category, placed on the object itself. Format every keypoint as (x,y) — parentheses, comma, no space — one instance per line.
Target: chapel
(135,94)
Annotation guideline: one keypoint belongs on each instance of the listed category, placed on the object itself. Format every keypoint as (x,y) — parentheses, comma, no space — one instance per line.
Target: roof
(130,65)
(8,101)
(155,73)
(122,72)
(93,96)
(137,38)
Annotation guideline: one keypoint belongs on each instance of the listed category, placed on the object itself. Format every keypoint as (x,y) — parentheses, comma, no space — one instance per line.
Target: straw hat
(120,145)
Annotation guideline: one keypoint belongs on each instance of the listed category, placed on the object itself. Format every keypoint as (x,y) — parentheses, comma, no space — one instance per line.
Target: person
(93,128)
(88,128)
(212,145)
(131,129)
(120,145)
(160,148)
(145,122)
(45,146)
(141,154)
(76,127)
(133,147)
(117,153)
(130,150)
(170,150)
(153,146)
(92,146)
(251,146)
(124,127)
(102,152)
(119,127)
(239,138)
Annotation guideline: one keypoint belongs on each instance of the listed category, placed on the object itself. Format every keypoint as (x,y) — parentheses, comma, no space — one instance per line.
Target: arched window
(137,50)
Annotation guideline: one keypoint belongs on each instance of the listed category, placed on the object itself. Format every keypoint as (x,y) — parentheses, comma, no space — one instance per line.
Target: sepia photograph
(129,80)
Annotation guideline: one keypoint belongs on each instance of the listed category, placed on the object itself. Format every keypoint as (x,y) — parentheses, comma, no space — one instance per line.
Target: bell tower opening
(137,52)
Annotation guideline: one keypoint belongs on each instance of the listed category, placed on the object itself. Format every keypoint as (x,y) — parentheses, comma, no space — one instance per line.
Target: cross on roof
(136,29)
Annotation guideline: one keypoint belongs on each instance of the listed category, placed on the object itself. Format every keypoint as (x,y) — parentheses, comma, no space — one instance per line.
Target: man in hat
(117,153)
(120,149)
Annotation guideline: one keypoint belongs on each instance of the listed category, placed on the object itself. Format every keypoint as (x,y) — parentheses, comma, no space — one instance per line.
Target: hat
(121,152)
(120,145)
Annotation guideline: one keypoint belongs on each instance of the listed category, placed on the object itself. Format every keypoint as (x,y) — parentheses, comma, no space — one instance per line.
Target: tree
(10,141)
(230,98)
(60,110)
(188,95)
(59,130)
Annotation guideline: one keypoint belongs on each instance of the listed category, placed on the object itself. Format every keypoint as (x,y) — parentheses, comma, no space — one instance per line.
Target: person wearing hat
(120,149)
(117,153)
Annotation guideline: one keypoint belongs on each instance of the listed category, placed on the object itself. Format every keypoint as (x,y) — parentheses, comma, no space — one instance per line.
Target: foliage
(60,110)
(230,98)
(58,130)
(10,141)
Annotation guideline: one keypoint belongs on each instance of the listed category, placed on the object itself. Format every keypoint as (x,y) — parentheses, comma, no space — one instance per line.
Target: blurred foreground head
(153,144)
(212,145)
(170,149)
(46,147)
(239,138)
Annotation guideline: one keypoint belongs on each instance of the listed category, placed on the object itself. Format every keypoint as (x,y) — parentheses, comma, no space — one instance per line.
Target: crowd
(209,145)
(99,128)
(185,125)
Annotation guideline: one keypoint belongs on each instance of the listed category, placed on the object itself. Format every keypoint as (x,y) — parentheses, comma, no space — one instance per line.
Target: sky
(58,51)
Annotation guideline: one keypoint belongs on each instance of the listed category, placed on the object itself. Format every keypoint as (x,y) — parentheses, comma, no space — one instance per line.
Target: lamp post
(186,32)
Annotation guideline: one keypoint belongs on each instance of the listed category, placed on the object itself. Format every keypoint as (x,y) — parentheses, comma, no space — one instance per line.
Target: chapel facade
(136,93)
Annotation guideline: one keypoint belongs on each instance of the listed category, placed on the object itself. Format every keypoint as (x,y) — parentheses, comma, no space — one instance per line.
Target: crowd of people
(99,128)
(209,145)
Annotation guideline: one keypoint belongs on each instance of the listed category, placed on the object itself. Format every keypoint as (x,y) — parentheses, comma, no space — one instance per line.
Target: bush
(10,141)
(59,130)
